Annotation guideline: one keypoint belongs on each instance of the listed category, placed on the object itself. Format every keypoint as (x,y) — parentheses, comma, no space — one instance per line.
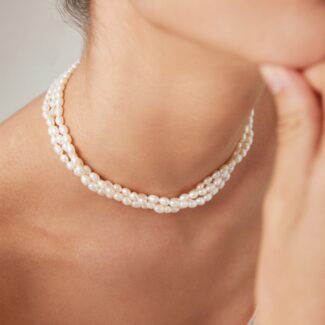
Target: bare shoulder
(18,143)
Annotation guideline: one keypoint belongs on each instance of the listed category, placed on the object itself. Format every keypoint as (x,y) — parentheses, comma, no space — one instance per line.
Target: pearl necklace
(63,146)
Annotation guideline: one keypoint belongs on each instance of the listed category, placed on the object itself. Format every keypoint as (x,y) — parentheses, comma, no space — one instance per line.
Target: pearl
(87,170)
(184,197)
(70,165)
(101,184)
(174,203)
(63,129)
(58,149)
(109,192)
(126,192)
(93,187)
(200,201)
(117,187)
(164,201)
(94,177)
(203,192)
(134,196)
(193,194)
(118,197)
(159,209)
(78,170)
(75,160)
(192,204)
(126,201)
(59,120)
(52,111)
(167,209)
(53,130)
(153,199)
(136,204)
(85,180)
(64,158)
(183,204)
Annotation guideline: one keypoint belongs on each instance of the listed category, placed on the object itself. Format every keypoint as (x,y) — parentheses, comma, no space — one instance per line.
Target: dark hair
(77,11)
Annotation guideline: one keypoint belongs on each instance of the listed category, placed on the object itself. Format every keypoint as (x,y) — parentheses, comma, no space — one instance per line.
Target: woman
(159,101)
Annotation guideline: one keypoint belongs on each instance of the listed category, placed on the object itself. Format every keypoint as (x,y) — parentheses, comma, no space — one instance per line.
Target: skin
(71,257)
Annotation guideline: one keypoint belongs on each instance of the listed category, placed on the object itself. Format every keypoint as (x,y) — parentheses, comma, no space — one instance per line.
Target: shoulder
(18,143)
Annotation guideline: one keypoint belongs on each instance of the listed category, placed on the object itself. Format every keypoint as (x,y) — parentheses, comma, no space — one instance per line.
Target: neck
(159,111)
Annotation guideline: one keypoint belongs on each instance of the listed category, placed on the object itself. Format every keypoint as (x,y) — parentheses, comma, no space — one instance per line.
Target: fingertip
(316,76)
(280,79)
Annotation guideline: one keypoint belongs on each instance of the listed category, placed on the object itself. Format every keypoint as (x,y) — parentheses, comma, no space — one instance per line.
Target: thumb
(297,133)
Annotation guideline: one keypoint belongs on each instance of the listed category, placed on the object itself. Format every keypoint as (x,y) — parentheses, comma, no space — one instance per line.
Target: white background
(35,46)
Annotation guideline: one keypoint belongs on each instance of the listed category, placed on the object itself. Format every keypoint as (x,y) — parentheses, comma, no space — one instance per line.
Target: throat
(152,120)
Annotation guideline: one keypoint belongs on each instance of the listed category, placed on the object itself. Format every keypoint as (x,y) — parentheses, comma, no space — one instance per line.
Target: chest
(118,276)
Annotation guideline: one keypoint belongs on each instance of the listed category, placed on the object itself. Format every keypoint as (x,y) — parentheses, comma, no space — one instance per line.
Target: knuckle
(290,125)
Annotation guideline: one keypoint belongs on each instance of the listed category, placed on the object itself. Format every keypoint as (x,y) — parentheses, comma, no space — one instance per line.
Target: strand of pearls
(64,148)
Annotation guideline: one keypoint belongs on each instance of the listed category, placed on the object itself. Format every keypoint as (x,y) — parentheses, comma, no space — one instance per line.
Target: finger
(316,77)
(297,134)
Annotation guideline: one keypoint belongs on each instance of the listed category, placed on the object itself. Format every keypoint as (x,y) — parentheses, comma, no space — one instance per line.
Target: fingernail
(275,78)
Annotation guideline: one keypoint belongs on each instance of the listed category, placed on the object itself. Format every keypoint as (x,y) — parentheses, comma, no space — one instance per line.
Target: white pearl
(58,150)
(87,170)
(200,201)
(70,165)
(117,187)
(184,197)
(118,197)
(183,204)
(49,122)
(85,180)
(66,138)
(59,120)
(64,158)
(218,181)
(167,209)
(109,192)
(78,170)
(63,129)
(222,184)
(203,192)
(93,187)
(174,203)
(159,209)
(164,201)
(101,184)
(75,160)
(126,192)
(136,204)
(153,198)
(208,180)
(215,191)
(192,204)
(126,201)
(148,205)
(193,194)
(94,177)
(53,130)
(239,158)
(134,196)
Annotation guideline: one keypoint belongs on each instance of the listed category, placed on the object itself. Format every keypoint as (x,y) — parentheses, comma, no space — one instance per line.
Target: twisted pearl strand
(64,148)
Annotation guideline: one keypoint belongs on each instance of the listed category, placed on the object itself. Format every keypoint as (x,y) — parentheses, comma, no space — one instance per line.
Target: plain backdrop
(35,47)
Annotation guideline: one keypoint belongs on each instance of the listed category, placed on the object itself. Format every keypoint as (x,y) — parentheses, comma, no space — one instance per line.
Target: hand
(290,287)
